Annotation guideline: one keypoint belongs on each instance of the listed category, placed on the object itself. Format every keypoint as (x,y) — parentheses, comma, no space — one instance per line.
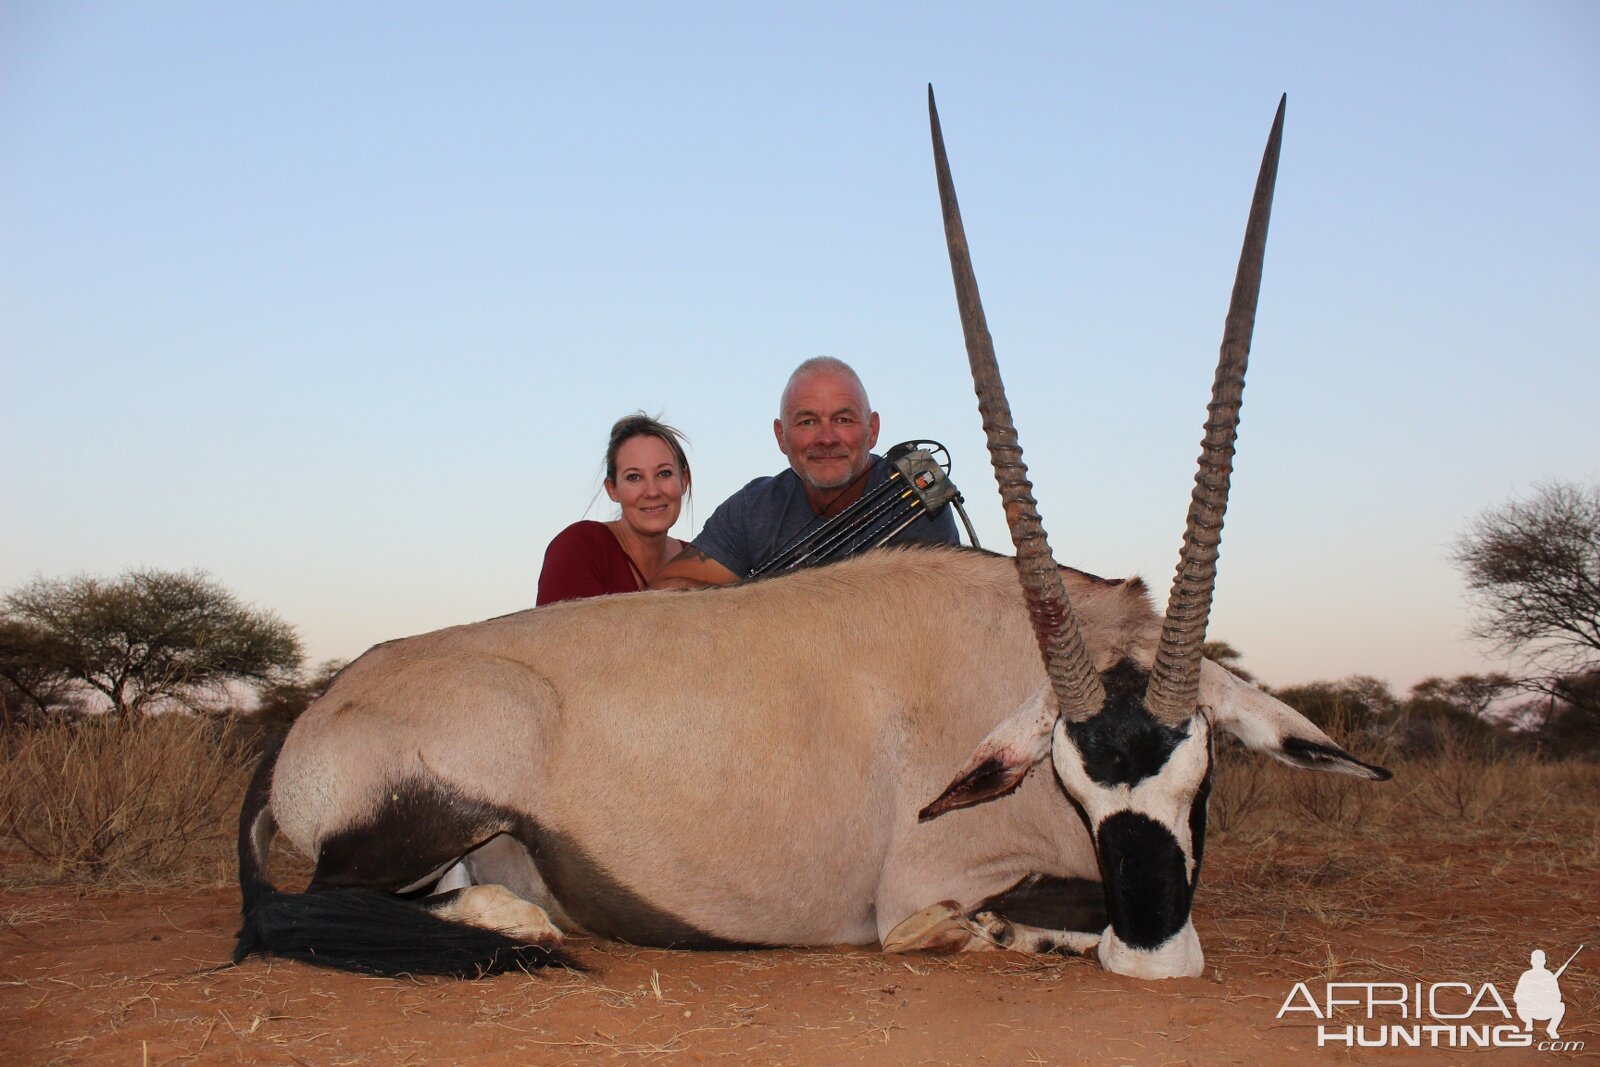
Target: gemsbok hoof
(937,928)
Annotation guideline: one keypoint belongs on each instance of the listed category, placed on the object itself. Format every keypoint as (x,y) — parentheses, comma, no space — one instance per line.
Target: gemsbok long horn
(1175,677)
(1077,687)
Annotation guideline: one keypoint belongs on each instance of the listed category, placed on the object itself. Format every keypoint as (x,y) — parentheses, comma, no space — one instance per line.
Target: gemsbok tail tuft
(360,930)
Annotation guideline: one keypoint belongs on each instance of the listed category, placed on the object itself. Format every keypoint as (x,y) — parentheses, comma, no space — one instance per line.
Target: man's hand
(692,569)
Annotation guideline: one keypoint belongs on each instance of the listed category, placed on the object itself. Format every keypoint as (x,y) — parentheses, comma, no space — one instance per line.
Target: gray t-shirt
(765,516)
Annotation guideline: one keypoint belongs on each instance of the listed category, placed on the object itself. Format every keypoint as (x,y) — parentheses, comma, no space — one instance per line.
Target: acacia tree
(145,637)
(31,685)
(1445,713)
(1354,706)
(1533,567)
(1468,695)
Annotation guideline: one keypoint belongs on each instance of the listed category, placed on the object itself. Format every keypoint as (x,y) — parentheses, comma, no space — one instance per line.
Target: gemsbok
(781,762)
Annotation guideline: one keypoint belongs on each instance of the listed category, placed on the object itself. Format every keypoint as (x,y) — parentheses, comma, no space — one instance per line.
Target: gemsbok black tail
(360,930)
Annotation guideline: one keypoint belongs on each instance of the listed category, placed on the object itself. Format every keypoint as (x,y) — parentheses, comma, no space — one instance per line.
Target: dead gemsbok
(760,775)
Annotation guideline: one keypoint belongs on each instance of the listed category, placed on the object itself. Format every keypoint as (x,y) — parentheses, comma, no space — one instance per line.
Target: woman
(647,475)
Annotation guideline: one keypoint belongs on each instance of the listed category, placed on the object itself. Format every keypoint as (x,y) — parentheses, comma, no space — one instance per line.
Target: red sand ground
(133,979)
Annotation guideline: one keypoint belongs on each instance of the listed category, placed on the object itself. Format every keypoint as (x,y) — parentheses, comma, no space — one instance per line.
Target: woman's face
(649,485)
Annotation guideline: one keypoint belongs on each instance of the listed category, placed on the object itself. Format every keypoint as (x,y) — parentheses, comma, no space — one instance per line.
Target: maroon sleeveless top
(586,560)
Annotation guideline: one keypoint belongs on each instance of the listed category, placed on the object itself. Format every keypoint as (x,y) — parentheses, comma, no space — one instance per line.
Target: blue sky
(338,301)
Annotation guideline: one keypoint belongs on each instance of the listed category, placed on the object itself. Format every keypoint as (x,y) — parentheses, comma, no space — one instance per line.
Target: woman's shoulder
(583,560)
(583,534)
(585,528)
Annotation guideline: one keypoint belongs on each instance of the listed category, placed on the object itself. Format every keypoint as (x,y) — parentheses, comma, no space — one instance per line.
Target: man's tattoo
(690,554)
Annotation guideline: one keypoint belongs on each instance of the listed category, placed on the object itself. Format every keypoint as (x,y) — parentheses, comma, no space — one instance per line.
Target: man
(827,429)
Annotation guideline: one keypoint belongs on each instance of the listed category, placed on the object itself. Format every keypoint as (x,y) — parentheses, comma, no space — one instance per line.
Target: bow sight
(918,484)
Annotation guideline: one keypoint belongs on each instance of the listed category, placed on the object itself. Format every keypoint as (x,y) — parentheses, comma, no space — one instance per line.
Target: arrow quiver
(918,484)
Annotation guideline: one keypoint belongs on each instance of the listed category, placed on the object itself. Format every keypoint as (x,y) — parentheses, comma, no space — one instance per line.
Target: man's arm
(692,569)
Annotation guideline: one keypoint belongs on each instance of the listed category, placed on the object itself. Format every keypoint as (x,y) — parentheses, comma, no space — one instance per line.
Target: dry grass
(1459,864)
(1462,788)
(150,802)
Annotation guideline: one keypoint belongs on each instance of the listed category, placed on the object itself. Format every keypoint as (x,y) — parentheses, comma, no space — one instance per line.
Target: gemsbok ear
(1003,759)
(1268,725)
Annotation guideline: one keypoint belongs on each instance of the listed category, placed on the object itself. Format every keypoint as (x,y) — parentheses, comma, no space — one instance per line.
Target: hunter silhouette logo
(1538,995)
(1438,1014)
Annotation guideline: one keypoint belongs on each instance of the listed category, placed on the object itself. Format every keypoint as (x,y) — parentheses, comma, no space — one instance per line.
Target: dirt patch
(134,977)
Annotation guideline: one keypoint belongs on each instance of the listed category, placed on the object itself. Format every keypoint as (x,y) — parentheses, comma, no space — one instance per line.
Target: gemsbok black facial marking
(1148,891)
(1124,744)
(1142,782)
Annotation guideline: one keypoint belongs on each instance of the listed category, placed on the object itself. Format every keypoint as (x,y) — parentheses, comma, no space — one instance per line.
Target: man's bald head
(822,365)
(826,427)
